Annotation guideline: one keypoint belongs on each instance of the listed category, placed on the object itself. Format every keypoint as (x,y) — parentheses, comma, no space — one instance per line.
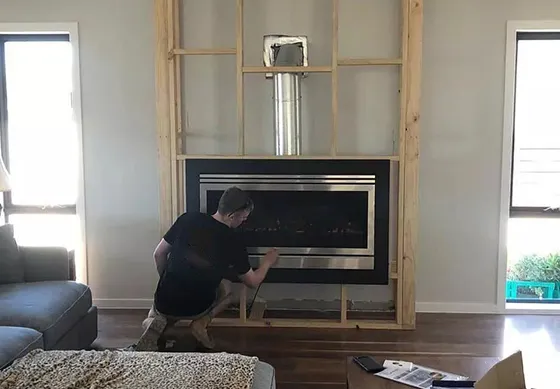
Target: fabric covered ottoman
(16,342)
(146,370)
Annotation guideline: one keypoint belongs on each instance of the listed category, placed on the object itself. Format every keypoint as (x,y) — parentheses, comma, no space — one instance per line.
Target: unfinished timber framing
(172,160)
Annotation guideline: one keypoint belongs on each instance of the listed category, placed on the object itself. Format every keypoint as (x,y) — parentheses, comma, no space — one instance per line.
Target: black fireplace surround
(331,215)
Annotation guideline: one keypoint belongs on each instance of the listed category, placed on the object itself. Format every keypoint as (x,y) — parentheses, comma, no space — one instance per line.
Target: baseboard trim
(481,308)
(123,303)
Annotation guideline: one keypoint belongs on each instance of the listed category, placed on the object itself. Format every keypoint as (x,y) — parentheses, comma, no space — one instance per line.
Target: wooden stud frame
(172,158)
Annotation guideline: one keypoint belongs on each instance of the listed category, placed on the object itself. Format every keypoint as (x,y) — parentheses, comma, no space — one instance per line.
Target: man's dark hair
(234,200)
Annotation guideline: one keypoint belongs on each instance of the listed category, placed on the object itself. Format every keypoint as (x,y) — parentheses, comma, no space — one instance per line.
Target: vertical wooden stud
(179,109)
(258,309)
(178,74)
(334,77)
(402,129)
(411,173)
(343,304)
(163,114)
(240,86)
(172,59)
(181,187)
(243,304)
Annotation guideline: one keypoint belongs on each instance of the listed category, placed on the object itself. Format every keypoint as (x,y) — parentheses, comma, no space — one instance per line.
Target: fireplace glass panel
(304,219)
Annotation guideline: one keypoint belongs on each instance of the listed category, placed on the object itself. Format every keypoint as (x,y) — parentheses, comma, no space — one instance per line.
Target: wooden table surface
(537,375)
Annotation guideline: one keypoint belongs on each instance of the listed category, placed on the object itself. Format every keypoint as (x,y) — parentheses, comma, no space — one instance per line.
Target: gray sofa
(40,304)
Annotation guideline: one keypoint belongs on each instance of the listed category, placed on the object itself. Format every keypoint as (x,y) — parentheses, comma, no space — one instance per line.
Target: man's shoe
(149,339)
(200,332)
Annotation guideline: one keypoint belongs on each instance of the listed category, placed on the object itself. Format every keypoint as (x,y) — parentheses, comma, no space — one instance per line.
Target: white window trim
(513,27)
(72,30)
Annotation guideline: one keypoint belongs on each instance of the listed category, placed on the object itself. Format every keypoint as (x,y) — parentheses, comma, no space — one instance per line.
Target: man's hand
(254,278)
(271,257)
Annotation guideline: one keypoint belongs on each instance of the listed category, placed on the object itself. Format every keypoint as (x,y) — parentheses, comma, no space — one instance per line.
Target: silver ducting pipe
(287,51)
(287,113)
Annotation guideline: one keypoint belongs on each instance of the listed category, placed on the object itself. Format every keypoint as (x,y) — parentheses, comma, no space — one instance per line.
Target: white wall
(461,147)
(121,182)
(462,109)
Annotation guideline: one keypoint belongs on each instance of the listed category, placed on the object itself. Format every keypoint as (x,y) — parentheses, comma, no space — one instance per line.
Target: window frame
(512,29)
(8,206)
(516,211)
(46,31)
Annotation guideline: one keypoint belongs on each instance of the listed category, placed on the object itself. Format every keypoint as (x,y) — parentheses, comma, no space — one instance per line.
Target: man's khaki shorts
(223,292)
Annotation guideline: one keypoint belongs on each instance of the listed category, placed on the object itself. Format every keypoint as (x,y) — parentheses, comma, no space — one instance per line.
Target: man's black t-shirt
(203,252)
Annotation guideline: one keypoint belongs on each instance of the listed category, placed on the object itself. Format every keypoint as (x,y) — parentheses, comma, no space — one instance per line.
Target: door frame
(72,30)
(513,27)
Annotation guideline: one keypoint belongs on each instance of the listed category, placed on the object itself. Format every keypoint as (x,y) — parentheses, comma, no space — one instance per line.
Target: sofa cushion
(12,267)
(51,307)
(264,376)
(15,342)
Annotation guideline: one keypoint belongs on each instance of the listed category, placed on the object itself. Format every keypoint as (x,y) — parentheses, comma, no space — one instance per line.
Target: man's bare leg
(199,326)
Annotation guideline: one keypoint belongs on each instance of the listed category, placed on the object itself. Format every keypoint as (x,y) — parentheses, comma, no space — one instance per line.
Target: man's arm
(253,278)
(160,256)
(164,247)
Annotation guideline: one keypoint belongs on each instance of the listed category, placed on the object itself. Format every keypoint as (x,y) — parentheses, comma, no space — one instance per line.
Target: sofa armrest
(47,264)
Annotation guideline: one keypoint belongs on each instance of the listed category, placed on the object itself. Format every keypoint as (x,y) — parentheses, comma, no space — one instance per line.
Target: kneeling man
(196,260)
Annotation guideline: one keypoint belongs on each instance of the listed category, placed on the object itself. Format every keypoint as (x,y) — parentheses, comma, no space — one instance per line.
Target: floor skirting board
(448,307)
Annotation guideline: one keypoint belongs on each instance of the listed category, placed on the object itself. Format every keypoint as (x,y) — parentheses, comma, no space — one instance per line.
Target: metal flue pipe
(287,101)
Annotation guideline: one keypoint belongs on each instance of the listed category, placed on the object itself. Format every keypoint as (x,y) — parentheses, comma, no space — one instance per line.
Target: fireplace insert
(327,225)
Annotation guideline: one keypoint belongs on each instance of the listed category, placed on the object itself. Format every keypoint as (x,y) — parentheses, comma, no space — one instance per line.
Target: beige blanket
(117,369)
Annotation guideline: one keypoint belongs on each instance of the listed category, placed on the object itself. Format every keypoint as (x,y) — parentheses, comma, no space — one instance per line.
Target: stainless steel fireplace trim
(300,262)
(314,251)
(291,181)
(370,189)
(346,176)
(209,178)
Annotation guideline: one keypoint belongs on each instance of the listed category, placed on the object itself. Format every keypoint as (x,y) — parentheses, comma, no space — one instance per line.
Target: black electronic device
(452,384)
(368,364)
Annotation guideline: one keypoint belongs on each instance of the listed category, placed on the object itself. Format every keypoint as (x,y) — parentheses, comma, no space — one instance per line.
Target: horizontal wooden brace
(369,61)
(287,69)
(221,51)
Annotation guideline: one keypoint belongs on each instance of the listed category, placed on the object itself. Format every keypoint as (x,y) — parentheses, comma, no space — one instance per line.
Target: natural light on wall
(42,140)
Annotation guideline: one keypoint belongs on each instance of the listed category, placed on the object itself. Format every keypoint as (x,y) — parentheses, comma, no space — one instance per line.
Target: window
(39,138)
(533,247)
(535,180)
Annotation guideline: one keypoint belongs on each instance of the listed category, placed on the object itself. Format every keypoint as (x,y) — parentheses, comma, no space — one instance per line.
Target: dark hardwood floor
(316,358)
